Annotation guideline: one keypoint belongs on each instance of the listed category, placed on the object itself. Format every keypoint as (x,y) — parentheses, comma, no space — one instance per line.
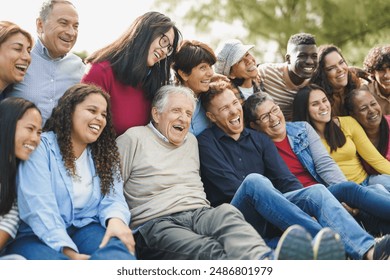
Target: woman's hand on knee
(117,228)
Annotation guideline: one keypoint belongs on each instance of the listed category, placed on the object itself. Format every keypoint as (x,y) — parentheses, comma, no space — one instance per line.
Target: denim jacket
(45,197)
(307,146)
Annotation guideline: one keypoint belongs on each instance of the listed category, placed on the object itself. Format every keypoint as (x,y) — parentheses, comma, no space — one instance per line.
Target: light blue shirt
(199,121)
(47,79)
(46,197)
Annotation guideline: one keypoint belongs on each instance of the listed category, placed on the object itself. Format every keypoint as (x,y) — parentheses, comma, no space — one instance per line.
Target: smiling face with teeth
(158,53)
(302,60)
(336,70)
(88,122)
(199,78)
(382,76)
(275,128)
(175,118)
(366,110)
(59,31)
(28,133)
(225,111)
(245,69)
(319,108)
(14,59)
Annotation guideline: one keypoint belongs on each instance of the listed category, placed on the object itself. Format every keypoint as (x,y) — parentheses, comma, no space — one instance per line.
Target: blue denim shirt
(307,146)
(45,197)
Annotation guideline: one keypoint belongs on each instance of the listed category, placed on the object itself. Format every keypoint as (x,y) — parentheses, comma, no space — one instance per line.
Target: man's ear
(210,116)
(252,125)
(155,115)
(287,58)
(183,75)
(39,24)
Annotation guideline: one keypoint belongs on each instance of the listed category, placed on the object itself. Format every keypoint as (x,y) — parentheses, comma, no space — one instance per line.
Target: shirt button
(239,159)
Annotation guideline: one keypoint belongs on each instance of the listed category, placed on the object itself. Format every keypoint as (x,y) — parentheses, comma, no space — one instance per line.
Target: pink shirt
(129,106)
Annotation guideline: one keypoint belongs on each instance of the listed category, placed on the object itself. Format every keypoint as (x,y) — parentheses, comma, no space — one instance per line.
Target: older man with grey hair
(170,213)
(53,68)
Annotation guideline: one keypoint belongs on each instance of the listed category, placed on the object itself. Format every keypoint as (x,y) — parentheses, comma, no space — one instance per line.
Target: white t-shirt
(82,183)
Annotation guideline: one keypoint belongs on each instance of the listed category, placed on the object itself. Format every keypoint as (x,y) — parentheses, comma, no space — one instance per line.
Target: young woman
(20,126)
(301,148)
(134,66)
(334,76)
(15,47)
(343,137)
(70,192)
(193,69)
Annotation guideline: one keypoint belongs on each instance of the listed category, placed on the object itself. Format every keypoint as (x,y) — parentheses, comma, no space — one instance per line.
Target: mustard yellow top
(347,158)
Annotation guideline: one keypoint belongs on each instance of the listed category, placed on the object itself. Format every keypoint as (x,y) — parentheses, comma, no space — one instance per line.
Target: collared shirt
(159,134)
(199,121)
(226,162)
(47,79)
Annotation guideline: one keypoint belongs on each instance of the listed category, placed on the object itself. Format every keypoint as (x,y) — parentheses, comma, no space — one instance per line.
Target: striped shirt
(277,83)
(10,221)
(47,79)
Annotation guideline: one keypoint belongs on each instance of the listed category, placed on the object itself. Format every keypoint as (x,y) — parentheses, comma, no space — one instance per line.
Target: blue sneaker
(295,244)
(327,245)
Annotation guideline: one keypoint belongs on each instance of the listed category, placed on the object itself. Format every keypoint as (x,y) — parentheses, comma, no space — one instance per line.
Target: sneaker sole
(295,244)
(328,246)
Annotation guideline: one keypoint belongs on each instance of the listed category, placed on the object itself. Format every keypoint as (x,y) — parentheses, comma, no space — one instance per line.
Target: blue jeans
(369,199)
(261,203)
(87,240)
(382,179)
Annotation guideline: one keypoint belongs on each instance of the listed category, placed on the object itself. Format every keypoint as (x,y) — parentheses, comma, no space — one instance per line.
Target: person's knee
(253,182)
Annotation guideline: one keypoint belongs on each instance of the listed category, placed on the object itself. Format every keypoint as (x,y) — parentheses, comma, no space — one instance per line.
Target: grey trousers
(207,233)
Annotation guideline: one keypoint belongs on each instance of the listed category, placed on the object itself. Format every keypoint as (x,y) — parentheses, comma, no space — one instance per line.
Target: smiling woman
(20,126)
(15,47)
(79,155)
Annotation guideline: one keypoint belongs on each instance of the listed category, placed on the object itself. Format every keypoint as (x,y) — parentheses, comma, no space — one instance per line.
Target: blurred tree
(83,54)
(349,24)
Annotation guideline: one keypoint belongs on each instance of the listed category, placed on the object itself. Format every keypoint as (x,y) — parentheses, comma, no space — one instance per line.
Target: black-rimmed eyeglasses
(165,43)
(264,118)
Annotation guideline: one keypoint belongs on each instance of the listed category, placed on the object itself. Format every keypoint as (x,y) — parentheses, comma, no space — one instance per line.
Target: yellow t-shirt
(347,157)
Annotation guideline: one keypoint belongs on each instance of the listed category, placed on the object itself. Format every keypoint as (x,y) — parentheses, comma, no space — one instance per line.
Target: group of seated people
(226,160)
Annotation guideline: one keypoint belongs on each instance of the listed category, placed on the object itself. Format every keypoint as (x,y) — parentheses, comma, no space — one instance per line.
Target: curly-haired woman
(70,191)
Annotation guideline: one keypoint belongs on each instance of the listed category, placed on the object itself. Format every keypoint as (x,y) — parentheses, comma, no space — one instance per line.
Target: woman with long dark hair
(70,192)
(134,67)
(20,126)
(343,137)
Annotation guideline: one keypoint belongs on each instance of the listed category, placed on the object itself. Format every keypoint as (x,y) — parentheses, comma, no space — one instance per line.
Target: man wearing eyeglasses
(243,167)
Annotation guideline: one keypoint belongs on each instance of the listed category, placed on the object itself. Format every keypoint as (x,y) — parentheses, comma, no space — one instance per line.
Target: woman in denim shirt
(70,192)
(310,162)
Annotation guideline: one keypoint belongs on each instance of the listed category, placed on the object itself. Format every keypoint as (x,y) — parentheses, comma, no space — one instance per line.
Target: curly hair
(104,150)
(376,59)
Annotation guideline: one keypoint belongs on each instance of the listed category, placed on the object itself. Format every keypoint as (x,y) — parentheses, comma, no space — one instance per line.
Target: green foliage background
(353,25)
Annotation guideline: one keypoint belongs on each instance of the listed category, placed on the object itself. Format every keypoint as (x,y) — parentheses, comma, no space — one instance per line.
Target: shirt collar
(219,133)
(44,51)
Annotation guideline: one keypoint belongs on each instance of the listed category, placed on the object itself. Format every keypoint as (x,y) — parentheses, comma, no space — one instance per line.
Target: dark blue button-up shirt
(225,162)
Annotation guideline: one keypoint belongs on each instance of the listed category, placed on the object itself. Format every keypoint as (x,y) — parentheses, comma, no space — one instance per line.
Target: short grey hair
(47,8)
(251,104)
(160,100)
